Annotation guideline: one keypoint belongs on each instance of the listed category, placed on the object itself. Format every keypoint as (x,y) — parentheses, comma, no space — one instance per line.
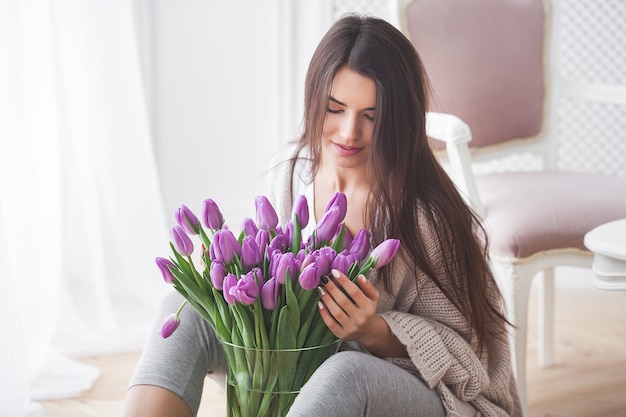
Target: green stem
(180,308)
(205,239)
(257,325)
(196,275)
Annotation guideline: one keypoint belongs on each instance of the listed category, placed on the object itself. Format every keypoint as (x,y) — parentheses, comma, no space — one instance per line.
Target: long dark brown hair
(409,186)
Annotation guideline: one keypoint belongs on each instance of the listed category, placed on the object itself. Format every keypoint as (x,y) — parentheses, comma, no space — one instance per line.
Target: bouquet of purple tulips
(256,290)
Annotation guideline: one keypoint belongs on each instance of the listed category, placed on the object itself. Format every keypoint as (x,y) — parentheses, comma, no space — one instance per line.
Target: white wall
(214,95)
(225,88)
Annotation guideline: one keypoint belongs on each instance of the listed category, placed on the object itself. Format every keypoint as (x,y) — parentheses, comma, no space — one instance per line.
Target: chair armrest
(456,134)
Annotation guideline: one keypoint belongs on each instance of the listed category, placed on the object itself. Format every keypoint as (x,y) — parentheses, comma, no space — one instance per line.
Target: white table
(608,244)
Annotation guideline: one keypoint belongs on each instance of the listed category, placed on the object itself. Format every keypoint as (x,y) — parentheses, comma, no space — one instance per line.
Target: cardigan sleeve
(439,354)
(442,346)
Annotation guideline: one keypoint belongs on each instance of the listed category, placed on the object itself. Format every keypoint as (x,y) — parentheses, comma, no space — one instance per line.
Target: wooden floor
(587,380)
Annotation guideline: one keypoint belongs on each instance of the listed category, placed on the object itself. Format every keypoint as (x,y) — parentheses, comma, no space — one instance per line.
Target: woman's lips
(347,150)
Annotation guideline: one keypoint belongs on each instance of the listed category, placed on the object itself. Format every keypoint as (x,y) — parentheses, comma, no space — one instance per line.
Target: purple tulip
(328,225)
(286,265)
(324,259)
(300,256)
(310,277)
(218,273)
(187,220)
(288,234)
(166,266)
(262,240)
(308,259)
(249,227)
(278,243)
(170,324)
(250,252)
(342,262)
(384,253)
(246,290)
(301,211)
(181,241)
(230,281)
(225,246)
(338,200)
(360,245)
(211,215)
(274,256)
(269,294)
(266,217)
(258,274)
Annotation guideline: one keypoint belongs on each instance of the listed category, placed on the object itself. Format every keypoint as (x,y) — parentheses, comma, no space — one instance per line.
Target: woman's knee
(341,369)
(153,401)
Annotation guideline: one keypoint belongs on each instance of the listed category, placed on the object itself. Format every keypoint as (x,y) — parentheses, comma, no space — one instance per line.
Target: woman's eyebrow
(333,99)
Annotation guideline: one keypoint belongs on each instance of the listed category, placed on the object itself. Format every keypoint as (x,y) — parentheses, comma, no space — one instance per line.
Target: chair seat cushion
(530,212)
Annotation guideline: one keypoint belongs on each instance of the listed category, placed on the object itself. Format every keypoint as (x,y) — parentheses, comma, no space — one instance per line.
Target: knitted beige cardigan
(441,345)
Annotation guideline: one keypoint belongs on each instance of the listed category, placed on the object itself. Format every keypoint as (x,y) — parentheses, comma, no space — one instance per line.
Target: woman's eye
(334,111)
(369,117)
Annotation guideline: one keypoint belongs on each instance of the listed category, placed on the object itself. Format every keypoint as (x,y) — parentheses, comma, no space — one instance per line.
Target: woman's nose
(349,128)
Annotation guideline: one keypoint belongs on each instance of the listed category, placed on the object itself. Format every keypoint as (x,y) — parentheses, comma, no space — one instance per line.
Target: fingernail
(320,305)
(335,273)
(321,291)
(324,279)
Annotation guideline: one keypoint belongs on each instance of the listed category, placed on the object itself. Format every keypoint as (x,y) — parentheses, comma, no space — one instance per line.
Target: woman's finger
(368,289)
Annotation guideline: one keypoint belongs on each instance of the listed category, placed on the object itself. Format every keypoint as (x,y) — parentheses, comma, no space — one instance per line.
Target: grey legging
(349,383)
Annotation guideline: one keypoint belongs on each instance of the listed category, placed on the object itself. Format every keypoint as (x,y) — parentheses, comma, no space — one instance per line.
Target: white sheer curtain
(81,215)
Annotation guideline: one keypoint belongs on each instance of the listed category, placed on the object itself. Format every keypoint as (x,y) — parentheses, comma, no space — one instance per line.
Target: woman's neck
(338,179)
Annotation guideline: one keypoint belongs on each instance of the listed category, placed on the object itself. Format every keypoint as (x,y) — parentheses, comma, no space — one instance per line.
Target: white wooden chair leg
(515,288)
(546,319)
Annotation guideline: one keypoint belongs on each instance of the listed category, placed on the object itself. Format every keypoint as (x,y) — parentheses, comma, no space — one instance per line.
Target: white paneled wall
(592,54)
(215,90)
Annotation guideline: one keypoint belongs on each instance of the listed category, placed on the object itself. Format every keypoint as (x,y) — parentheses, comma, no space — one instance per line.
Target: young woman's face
(349,123)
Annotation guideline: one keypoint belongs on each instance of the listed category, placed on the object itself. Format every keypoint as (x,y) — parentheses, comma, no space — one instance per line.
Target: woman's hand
(349,311)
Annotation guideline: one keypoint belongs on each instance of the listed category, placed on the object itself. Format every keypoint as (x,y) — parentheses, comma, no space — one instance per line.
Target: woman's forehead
(353,89)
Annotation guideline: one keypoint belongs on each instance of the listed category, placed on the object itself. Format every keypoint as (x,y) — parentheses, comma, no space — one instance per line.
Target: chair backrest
(487,61)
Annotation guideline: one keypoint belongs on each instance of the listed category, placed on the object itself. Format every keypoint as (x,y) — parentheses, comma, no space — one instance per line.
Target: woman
(425,335)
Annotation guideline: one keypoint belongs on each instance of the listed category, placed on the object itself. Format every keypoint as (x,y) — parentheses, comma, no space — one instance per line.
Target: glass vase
(265,382)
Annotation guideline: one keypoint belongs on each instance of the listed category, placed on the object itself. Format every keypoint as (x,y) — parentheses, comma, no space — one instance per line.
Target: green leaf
(353,271)
(205,239)
(338,245)
(225,313)
(297,235)
(292,304)
(285,334)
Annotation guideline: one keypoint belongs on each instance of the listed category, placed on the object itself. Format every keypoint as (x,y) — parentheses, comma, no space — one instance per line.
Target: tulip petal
(182,242)
(301,211)
(269,294)
(211,215)
(266,216)
(170,324)
(165,265)
(187,220)
(384,253)
(328,225)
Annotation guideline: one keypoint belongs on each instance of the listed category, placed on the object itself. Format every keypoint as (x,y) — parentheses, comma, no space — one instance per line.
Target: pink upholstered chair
(492,64)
